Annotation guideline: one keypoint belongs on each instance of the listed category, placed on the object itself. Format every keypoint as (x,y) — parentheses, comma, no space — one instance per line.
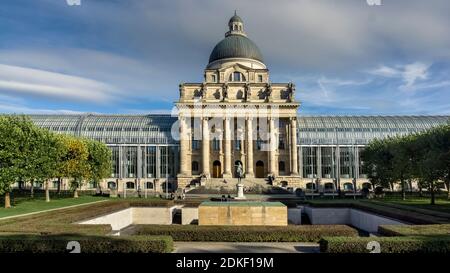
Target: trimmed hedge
(414,230)
(247,233)
(88,244)
(423,244)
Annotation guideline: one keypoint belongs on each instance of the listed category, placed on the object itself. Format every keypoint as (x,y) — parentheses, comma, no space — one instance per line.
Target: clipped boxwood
(414,230)
(247,233)
(88,244)
(419,244)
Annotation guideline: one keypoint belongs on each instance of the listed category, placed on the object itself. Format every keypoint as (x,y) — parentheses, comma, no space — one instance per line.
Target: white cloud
(409,73)
(41,83)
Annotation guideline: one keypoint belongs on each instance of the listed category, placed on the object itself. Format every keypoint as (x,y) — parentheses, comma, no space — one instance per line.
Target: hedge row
(414,230)
(88,244)
(247,233)
(424,244)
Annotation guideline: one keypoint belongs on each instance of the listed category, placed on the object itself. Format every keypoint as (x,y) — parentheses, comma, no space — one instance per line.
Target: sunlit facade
(229,119)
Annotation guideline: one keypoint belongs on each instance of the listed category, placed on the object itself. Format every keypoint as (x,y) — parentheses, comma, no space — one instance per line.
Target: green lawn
(33,205)
(442,205)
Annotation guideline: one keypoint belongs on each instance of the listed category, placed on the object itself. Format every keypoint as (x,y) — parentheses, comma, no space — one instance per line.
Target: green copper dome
(235,18)
(235,46)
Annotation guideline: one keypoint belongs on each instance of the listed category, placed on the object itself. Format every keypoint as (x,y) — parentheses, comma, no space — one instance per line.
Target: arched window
(281,166)
(130,185)
(111,185)
(348,187)
(195,166)
(310,186)
(236,77)
(329,186)
(149,185)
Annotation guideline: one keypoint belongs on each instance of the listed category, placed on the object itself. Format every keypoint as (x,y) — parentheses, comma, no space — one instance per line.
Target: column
(273,146)
(139,162)
(319,161)
(184,146)
(249,147)
(294,156)
(227,140)
(205,147)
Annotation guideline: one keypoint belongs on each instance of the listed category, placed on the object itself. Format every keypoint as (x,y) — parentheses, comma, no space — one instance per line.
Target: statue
(225,92)
(181,89)
(239,171)
(240,186)
(203,91)
(268,92)
(291,88)
(248,92)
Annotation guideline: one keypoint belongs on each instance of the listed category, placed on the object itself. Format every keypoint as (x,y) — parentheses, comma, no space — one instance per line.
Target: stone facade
(237,116)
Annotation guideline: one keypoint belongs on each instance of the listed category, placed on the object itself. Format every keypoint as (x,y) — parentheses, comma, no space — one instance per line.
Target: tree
(378,163)
(13,140)
(403,151)
(433,158)
(47,156)
(99,161)
(74,161)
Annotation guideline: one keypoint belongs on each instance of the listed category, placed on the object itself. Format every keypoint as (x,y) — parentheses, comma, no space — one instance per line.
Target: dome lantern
(236,45)
(235,25)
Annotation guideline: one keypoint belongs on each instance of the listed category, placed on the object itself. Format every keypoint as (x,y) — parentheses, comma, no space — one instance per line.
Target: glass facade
(329,146)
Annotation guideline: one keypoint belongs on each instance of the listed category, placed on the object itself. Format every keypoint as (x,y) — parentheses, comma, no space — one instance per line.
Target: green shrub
(414,230)
(424,244)
(247,233)
(88,244)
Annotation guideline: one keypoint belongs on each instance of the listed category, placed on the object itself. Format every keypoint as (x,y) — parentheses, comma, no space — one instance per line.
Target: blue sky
(111,56)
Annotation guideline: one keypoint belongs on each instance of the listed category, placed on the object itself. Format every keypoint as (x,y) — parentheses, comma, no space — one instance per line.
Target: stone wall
(237,213)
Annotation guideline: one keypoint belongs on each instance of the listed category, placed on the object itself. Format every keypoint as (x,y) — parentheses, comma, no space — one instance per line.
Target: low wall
(243,213)
(152,216)
(346,216)
(189,215)
(118,220)
(295,216)
(145,216)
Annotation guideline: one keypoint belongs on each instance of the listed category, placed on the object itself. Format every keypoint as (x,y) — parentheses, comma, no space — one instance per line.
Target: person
(271,179)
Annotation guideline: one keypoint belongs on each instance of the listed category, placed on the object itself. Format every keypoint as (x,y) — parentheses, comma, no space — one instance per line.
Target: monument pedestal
(240,192)
(242,213)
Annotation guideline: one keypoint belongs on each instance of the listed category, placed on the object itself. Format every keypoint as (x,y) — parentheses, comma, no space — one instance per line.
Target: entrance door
(259,169)
(217,169)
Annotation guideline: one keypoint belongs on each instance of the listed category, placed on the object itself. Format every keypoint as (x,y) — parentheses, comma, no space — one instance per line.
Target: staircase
(231,183)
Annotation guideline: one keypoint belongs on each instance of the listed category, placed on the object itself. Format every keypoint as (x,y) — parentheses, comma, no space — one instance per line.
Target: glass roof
(313,130)
(112,129)
(351,130)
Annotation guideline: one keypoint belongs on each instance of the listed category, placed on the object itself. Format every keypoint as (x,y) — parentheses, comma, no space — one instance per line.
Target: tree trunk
(7,200)
(59,185)
(403,190)
(47,192)
(32,189)
(448,190)
(75,192)
(433,197)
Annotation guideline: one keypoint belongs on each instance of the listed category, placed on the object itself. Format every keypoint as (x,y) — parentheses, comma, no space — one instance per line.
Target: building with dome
(236,117)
